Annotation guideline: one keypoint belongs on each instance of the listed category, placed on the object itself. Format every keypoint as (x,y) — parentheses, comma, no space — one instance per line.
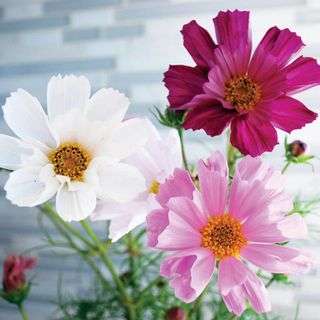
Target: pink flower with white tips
(203,227)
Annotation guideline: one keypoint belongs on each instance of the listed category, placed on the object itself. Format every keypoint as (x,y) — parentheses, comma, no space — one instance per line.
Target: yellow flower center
(242,93)
(71,160)
(224,236)
(154,187)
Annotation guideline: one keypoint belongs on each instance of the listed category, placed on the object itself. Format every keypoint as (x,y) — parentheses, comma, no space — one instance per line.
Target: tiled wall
(128,44)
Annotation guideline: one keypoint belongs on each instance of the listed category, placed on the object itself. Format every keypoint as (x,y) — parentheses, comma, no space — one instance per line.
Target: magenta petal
(190,271)
(183,83)
(253,136)
(302,74)
(199,44)
(209,116)
(157,221)
(233,33)
(288,114)
(277,259)
(281,44)
(179,184)
(236,281)
(214,180)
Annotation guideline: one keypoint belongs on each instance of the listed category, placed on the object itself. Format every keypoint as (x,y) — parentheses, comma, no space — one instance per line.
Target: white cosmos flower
(156,161)
(75,151)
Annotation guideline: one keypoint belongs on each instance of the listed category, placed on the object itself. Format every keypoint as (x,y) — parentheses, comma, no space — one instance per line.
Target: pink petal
(277,259)
(178,234)
(188,211)
(157,221)
(199,44)
(259,228)
(288,114)
(253,136)
(236,281)
(302,74)
(233,33)
(209,116)
(214,180)
(180,184)
(183,83)
(281,44)
(251,169)
(190,272)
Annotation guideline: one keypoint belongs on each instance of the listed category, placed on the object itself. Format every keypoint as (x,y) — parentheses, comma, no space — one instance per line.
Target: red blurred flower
(231,86)
(13,272)
(175,314)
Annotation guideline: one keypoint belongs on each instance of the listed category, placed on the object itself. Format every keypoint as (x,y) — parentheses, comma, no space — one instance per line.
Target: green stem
(109,265)
(47,208)
(183,151)
(232,155)
(150,285)
(270,281)
(72,245)
(286,167)
(23,312)
(197,306)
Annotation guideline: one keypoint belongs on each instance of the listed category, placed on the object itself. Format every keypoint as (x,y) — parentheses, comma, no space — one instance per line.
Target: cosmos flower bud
(175,313)
(297,148)
(15,285)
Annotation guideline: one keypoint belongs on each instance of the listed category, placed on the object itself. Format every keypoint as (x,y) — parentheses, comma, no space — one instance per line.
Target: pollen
(223,235)
(154,187)
(242,93)
(71,160)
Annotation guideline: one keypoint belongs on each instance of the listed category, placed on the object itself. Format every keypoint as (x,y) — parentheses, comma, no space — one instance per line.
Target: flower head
(229,86)
(202,227)
(156,161)
(75,151)
(175,313)
(14,267)
(297,148)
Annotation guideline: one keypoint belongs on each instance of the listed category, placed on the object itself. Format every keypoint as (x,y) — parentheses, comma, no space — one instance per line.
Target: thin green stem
(23,312)
(47,207)
(109,265)
(131,257)
(150,286)
(284,169)
(270,281)
(196,309)
(83,253)
(183,151)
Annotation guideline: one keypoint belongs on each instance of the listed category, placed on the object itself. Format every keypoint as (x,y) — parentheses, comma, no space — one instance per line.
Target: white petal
(119,182)
(123,218)
(67,93)
(25,116)
(125,139)
(108,106)
(75,201)
(29,187)
(12,152)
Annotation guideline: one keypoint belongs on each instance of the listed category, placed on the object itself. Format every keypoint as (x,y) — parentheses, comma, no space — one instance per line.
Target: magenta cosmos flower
(199,228)
(228,86)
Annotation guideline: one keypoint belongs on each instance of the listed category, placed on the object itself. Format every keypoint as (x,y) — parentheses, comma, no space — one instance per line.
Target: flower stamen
(71,160)
(224,236)
(242,93)
(154,187)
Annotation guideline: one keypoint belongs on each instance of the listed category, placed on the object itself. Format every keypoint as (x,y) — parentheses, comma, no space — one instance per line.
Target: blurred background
(128,44)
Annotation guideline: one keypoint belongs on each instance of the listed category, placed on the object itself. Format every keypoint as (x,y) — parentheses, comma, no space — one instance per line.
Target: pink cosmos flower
(155,161)
(229,86)
(201,229)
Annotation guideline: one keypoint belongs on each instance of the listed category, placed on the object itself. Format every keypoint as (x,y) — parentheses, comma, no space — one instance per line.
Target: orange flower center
(224,236)
(242,93)
(71,160)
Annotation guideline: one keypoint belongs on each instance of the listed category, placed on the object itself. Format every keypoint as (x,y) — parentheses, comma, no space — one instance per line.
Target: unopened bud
(175,313)
(297,148)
